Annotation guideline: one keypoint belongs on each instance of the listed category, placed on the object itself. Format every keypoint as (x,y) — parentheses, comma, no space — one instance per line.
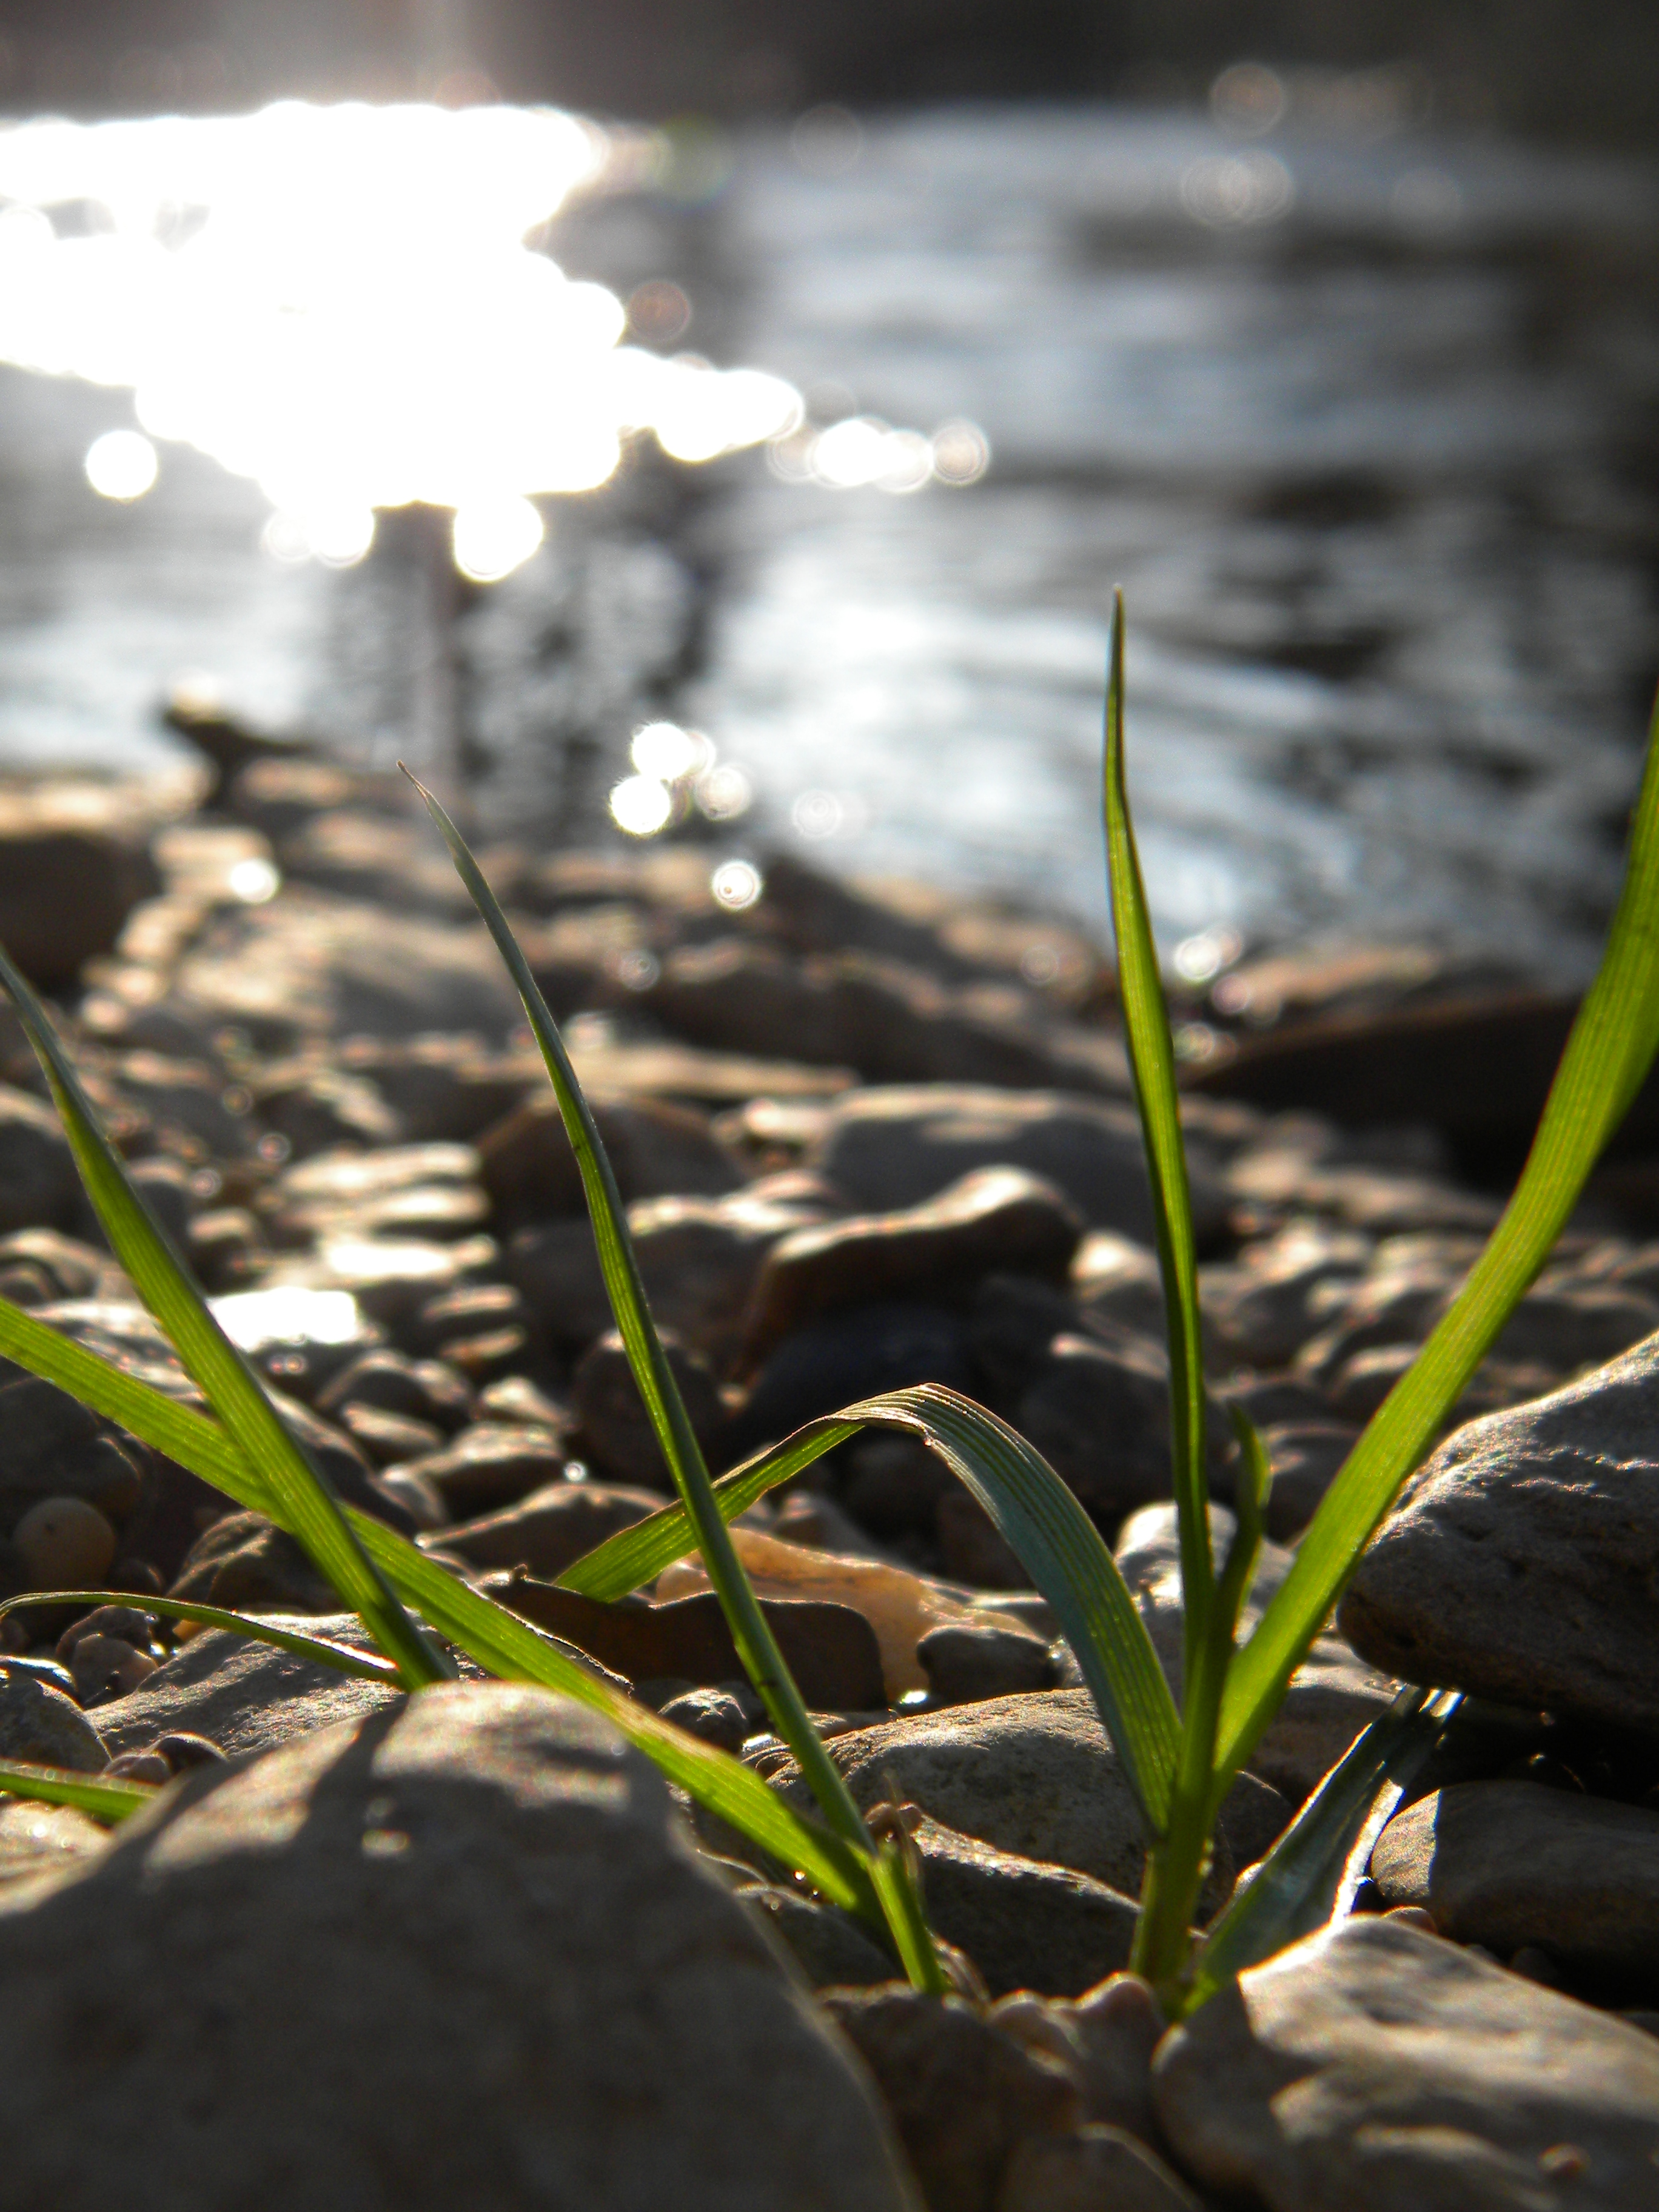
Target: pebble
(64,1543)
(41,1727)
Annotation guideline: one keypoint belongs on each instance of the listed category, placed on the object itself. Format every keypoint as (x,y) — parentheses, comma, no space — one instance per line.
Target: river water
(1365,427)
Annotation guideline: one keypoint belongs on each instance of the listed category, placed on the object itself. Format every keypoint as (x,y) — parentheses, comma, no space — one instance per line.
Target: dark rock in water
(1024,1924)
(491,1465)
(551,1529)
(615,1434)
(1375,2067)
(850,1356)
(512,1968)
(1510,1864)
(889,1148)
(1521,1562)
(831,1650)
(246,1564)
(43,1728)
(1033,1776)
(74,862)
(961,2092)
(656,1150)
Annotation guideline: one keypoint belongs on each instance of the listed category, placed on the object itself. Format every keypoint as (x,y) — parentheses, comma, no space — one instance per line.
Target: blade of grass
(501,1642)
(52,1785)
(311,1511)
(1607,1058)
(1310,1875)
(322,1649)
(757,1646)
(1152,1067)
(1033,1509)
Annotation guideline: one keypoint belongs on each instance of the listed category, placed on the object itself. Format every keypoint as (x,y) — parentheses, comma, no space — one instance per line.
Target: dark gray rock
(43,1728)
(1024,1924)
(1520,1563)
(457,1952)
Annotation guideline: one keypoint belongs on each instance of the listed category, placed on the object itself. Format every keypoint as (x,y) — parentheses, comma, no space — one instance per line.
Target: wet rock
(1090,2167)
(1332,1696)
(962,2094)
(64,1543)
(850,1356)
(1505,1864)
(1033,1776)
(551,1528)
(74,862)
(935,1253)
(832,1949)
(967,1662)
(614,1433)
(43,1728)
(656,1150)
(508,1943)
(246,1564)
(490,1465)
(829,1648)
(1026,1925)
(1373,2066)
(888,1148)
(1520,1562)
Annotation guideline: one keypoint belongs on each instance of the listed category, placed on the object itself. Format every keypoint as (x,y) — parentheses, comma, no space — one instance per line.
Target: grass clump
(1180,1763)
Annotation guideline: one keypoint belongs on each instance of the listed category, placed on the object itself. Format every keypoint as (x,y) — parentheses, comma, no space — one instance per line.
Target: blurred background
(729,424)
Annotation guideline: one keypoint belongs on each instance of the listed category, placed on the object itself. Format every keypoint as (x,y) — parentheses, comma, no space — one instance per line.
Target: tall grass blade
(1607,1056)
(1312,1872)
(51,1785)
(751,1633)
(1039,1517)
(311,1511)
(499,1641)
(1151,1065)
(323,1649)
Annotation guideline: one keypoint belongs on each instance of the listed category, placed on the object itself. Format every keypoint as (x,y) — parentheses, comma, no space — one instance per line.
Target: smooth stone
(997,1217)
(1506,1864)
(613,1433)
(39,1186)
(516,1985)
(1033,1776)
(56,1448)
(894,1146)
(966,1662)
(831,1948)
(1332,1696)
(551,1529)
(389,1382)
(64,1543)
(246,1563)
(1374,2069)
(74,861)
(1088,2170)
(1025,1925)
(889,1345)
(245,1696)
(656,1150)
(1521,1563)
(41,1727)
(491,1465)
(963,2094)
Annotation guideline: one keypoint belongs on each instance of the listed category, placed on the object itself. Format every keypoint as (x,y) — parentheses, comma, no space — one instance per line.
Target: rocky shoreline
(371,1952)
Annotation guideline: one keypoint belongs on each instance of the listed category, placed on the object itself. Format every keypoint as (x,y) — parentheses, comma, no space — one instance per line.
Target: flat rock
(1333,1695)
(1375,2069)
(1508,1864)
(1037,1777)
(896,1146)
(1521,1563)
(458,1953)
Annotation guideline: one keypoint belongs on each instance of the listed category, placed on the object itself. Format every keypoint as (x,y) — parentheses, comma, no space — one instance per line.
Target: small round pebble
(43,1728)
(64,1543)
(108,1667)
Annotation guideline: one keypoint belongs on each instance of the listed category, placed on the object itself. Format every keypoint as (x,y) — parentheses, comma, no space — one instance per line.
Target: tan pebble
(64,1543)
(1413,1916)
(139,1766)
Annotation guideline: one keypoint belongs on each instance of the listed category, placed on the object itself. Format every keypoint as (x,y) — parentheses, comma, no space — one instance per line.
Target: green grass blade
(755,1644)
(1151,1065)
(501,1642)
(1312,1871)
(1606,1057)
(311,1512)
(322,1649)
(51,1785)
(1048,1531)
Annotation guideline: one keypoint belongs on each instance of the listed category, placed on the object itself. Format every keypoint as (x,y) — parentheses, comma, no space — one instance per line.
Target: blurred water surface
(1365,425)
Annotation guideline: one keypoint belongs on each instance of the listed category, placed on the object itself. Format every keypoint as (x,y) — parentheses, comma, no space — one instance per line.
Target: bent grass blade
(311,1511)
(108,1801)
(323,1649)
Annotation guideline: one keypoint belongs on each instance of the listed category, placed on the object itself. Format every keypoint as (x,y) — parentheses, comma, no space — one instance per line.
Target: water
(1365,429)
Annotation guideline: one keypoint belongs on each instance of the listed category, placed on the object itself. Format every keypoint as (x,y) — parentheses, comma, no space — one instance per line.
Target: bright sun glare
(338,303)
